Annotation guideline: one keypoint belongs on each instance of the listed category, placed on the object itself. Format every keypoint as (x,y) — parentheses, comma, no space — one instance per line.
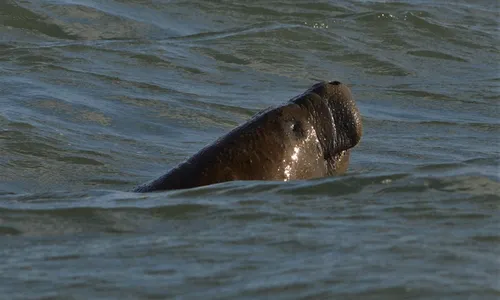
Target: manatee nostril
(335,82)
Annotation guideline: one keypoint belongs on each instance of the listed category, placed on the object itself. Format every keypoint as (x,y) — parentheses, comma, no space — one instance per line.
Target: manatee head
(325,123)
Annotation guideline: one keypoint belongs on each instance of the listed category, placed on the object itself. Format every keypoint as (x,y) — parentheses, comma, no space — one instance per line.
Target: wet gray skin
(306,137)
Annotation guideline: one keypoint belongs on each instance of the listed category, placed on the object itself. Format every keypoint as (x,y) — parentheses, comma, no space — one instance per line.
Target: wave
(302,202)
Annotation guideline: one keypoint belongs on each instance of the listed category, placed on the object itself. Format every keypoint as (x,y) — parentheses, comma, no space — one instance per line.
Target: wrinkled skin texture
(306,137)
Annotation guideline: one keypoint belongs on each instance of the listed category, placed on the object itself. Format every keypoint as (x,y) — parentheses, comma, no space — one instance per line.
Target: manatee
(309,136)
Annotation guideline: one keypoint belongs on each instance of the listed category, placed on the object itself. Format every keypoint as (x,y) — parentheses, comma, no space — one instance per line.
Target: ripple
(9,231)
(22,18)
(178,210)
(435,54)
(429,25)
(371,63)
(423,94)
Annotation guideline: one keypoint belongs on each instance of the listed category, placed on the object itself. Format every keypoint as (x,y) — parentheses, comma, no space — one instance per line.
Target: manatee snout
(339,125)
(347,120)
(307,137)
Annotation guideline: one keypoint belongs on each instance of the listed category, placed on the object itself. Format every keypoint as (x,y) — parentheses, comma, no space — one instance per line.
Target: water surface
(99,96)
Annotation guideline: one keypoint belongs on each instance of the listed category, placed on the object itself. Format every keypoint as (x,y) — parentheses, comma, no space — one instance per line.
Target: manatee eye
(298,129)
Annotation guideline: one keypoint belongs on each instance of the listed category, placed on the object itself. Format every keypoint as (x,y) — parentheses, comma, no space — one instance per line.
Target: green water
(99,96)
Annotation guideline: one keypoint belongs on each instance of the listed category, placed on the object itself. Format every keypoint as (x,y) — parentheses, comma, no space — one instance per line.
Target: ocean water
(98,96)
